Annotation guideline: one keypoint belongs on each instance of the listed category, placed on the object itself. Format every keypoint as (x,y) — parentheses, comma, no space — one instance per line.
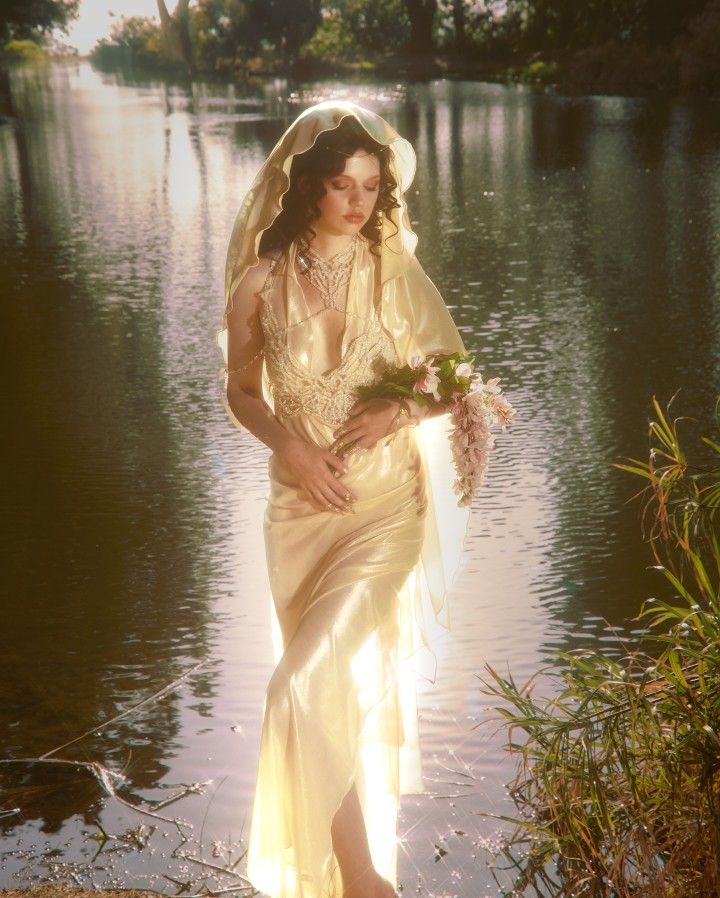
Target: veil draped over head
(412,311)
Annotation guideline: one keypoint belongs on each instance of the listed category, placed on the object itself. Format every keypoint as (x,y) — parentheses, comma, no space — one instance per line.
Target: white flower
(428,382)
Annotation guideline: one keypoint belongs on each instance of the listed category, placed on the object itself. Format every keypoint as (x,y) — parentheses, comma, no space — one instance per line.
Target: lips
(354,218)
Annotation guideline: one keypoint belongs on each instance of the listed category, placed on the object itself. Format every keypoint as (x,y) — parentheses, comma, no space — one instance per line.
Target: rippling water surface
(576,242)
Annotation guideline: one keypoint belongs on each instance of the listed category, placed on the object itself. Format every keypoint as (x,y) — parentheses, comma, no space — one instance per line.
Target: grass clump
(618,782)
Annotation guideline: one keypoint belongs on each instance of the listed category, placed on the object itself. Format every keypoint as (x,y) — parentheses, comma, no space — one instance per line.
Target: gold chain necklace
(328,276)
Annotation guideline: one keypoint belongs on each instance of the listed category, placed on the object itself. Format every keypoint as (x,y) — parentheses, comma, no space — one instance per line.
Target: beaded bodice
(328,396)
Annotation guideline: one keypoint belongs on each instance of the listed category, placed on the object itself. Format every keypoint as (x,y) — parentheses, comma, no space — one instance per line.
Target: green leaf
(632,469)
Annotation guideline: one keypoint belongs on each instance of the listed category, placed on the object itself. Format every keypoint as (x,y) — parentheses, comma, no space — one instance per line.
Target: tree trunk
(459,24)
(421,14)
(176,32)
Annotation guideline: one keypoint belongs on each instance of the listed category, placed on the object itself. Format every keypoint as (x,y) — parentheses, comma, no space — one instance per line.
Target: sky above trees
(95,22)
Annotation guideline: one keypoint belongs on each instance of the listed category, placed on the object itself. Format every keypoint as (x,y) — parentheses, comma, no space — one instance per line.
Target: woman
(362,530)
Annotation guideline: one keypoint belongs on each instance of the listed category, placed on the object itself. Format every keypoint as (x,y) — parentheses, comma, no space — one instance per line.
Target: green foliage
(332,42)
(286,24)
(681,513)
(541,72)
(537,72)
(221,33)
(139,34)
(619,778)
(599,46)
(225,35)
(24,51)
(354,29)
(134,40)
(496,30)
(229,35)
(400,381)
(566,24)
(609,46)
(31,19)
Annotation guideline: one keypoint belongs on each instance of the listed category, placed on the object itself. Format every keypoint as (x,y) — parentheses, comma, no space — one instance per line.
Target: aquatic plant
(618,781)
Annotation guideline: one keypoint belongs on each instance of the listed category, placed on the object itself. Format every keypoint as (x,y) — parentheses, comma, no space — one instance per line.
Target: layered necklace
(328,276)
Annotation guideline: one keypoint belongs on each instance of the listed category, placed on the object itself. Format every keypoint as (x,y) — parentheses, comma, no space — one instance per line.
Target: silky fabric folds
(353,596)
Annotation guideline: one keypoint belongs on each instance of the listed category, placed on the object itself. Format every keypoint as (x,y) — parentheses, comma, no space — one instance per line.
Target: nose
(356,198)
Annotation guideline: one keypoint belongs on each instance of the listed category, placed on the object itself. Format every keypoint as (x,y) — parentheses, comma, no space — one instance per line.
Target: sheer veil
(412,311)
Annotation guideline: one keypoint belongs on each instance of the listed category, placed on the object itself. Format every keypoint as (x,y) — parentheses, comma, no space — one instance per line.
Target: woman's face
(350,197)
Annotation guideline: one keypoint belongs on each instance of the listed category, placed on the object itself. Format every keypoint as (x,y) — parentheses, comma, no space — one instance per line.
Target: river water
(577,243)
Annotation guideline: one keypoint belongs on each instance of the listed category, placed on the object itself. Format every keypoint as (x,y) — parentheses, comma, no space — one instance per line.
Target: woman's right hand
(318,471)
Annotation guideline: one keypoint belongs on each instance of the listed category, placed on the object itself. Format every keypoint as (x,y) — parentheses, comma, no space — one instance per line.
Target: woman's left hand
(367,422)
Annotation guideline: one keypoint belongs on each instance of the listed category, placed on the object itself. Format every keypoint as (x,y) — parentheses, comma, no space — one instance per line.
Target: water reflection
(576,242)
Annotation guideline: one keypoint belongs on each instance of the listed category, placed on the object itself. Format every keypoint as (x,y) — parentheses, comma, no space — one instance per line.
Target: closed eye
(344,186)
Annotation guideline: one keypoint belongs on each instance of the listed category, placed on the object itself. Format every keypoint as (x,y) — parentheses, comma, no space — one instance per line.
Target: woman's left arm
(373,419)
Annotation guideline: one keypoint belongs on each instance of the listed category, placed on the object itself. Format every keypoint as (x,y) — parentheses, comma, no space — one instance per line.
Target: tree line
(665,43)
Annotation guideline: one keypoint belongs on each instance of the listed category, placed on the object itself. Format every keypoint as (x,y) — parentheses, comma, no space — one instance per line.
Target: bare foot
(370,885)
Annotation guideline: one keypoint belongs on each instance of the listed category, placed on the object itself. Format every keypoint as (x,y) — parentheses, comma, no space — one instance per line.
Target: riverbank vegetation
(606,46)
(27,29)
(618,789)
(587,46)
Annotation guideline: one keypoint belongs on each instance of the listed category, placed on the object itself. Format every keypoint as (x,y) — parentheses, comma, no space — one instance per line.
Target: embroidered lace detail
(329,276)
(331,395)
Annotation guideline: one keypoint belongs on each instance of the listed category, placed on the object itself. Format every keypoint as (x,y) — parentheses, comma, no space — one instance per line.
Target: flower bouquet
(475,405)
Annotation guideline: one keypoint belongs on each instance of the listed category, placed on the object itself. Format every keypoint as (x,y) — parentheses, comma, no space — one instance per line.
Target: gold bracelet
(404,410)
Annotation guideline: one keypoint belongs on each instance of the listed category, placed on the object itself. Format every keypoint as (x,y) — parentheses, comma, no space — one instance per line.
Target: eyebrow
(350,178)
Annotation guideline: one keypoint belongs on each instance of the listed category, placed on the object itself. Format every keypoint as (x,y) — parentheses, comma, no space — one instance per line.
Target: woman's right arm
(316,468)
(246,344)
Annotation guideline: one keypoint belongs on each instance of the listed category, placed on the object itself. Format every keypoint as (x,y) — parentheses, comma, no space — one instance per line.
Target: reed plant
(617,789)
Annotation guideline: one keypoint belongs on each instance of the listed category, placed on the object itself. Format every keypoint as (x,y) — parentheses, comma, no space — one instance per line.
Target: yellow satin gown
(340,708)
(354,596)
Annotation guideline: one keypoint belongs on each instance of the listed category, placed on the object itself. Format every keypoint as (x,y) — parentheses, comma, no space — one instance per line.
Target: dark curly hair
(326,159)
